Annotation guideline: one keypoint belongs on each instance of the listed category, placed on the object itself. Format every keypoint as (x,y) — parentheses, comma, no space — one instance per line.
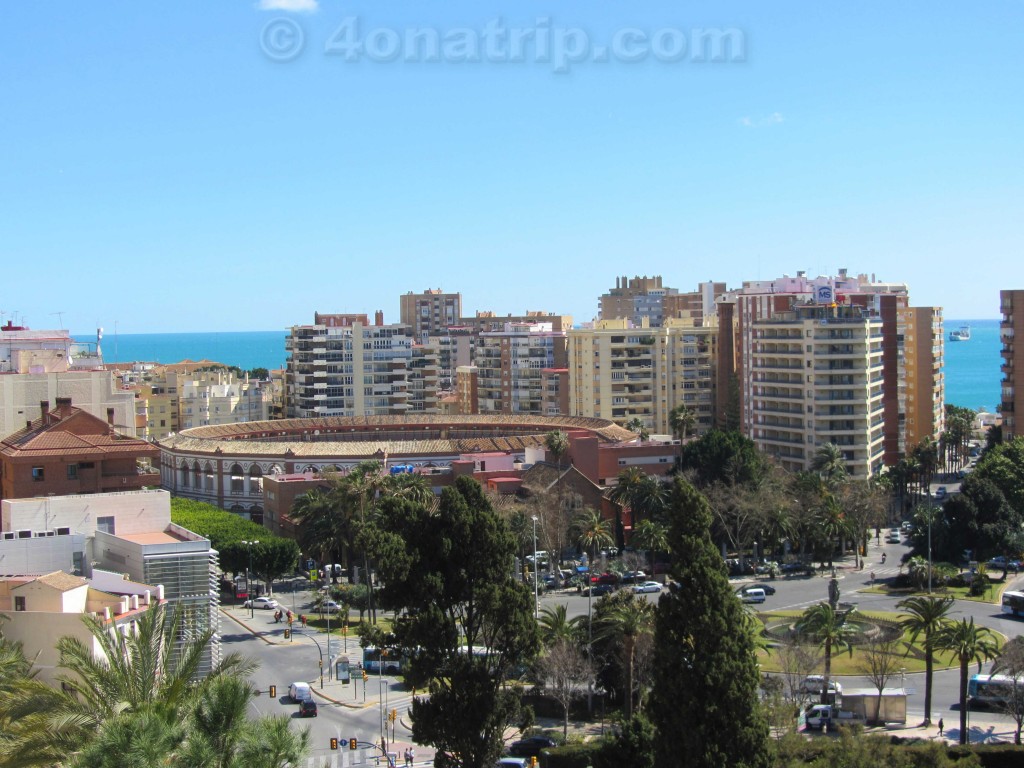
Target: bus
(1013,603)
(392,661)
(989,690)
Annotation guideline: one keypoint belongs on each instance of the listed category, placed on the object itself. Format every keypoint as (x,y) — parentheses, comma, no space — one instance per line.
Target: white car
(814,684)
(647,586)
(266,603)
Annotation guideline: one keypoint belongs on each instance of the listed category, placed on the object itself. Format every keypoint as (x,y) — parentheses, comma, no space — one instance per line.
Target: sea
(973,379)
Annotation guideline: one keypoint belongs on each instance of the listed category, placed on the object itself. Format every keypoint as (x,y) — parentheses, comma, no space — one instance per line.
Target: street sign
(310,565)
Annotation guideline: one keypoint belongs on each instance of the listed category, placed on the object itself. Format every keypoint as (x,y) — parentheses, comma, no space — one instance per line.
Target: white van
(300,692)
(753,595)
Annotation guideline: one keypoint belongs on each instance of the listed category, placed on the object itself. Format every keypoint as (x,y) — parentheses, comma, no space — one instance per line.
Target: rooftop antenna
(60,318)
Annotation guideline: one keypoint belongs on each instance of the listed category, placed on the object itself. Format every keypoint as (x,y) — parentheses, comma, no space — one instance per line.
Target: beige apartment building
(221,397)
(1011,306)
(816,378)
(343,366)
(922,391)
(621,372)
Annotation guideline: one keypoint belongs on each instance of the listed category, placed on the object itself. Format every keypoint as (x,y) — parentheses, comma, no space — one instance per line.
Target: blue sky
(161,170)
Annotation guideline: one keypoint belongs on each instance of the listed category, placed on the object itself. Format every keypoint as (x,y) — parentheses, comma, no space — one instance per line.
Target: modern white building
(220,397)
(130,533)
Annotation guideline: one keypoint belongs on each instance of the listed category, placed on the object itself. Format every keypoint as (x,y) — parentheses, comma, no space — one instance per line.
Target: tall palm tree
(324,524)
(557,443)
(627,622)
(969,644)
(682,420)
(833,524)
(829,629)
(637,427)
(926,617)
(829,463)
(592,532)
(651,536)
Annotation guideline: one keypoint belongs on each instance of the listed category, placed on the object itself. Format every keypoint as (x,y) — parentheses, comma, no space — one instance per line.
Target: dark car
(531,746)
(599,589)
(307,708)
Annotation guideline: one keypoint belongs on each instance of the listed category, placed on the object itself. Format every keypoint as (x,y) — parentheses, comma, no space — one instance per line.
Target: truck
(829,717)
(860,706)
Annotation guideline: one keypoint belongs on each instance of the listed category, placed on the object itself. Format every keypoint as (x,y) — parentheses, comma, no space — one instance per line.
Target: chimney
(378,317)
(61,401)
(148,596)
(159,591)
(106,613)
(133,602)
(44,410)
(110,416)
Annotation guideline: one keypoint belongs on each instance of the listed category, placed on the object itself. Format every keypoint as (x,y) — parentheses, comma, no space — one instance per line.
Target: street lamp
(248,578)
(536,574)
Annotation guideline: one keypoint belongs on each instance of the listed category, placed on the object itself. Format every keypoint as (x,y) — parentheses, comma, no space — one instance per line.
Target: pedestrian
(872,578)
(411,756)
(406,755)
(302,618)
(941,726)
(277,617)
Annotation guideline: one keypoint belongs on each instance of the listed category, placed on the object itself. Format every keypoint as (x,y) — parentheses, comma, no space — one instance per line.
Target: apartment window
(105,524)
(38,474)
(19,602)
(72,471)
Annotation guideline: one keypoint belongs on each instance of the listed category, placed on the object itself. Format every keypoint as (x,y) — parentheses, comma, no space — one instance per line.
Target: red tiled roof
(52,435)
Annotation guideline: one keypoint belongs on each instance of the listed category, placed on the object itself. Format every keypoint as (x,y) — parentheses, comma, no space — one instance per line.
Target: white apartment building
(620,371)
(211,398)
(343,366)
(509,364)
(815,377)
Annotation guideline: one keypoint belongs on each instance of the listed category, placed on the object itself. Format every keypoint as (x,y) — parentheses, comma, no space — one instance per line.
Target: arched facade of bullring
(225,465)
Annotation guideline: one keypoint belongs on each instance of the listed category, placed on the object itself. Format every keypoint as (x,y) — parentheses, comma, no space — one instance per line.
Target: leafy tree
(643,494)
(879,664)
(636,426)
(719,456)
(704,701)
(631,744)
(969,644)
(592,532)
(926,615)
(651,536)
(449,573)
(830,464)
(682,420)
(325,527)
(827,627)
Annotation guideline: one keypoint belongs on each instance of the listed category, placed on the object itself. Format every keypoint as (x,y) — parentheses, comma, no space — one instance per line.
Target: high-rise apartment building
(429,313)
(922,390)
(816,378)
(221,397)
(635,299)
(621,372)
(510,363)
(343,366)
(1011,306)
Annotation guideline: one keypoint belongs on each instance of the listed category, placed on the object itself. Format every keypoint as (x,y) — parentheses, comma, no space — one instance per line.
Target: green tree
(636,426)
(830,464)
(703,654)
(555,625)
(682,420)
(650,536)
(1010,662)
(723,457)
(449,574)
(828,628)
(632,744)
(969,644)
(926,615)
(324,521)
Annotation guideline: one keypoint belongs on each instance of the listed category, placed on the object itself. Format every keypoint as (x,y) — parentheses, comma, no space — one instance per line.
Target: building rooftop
(152,537)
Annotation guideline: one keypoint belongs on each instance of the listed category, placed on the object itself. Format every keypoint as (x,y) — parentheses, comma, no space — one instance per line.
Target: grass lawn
(911,656)
(993,594)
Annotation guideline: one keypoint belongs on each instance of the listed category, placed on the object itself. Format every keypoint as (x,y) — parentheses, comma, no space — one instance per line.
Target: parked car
(266,603)
(605,578)
(331,607)
(512,762)
(940,492)
(307,708)
(531,746)
(596,590)
(768,589)
(647,586)
(797,568)
(634,577)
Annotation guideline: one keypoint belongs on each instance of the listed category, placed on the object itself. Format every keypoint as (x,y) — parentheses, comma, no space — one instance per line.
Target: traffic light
(393,715)
(365,676)
(334,743)
(287,634)
(353,744)
(273,691)
(533,762)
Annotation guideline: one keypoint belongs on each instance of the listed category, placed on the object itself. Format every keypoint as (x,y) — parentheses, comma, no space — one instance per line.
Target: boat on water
(961,334)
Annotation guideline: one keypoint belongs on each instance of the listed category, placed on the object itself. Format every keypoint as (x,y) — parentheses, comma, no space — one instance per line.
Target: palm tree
(682,419)
(833,524)
(926,617)
(829,463)
(828,628)
(557,443)
(592,532)
(969,644)
(556,626)
(324,522)
(637,427)
(627,622)
(651,536)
